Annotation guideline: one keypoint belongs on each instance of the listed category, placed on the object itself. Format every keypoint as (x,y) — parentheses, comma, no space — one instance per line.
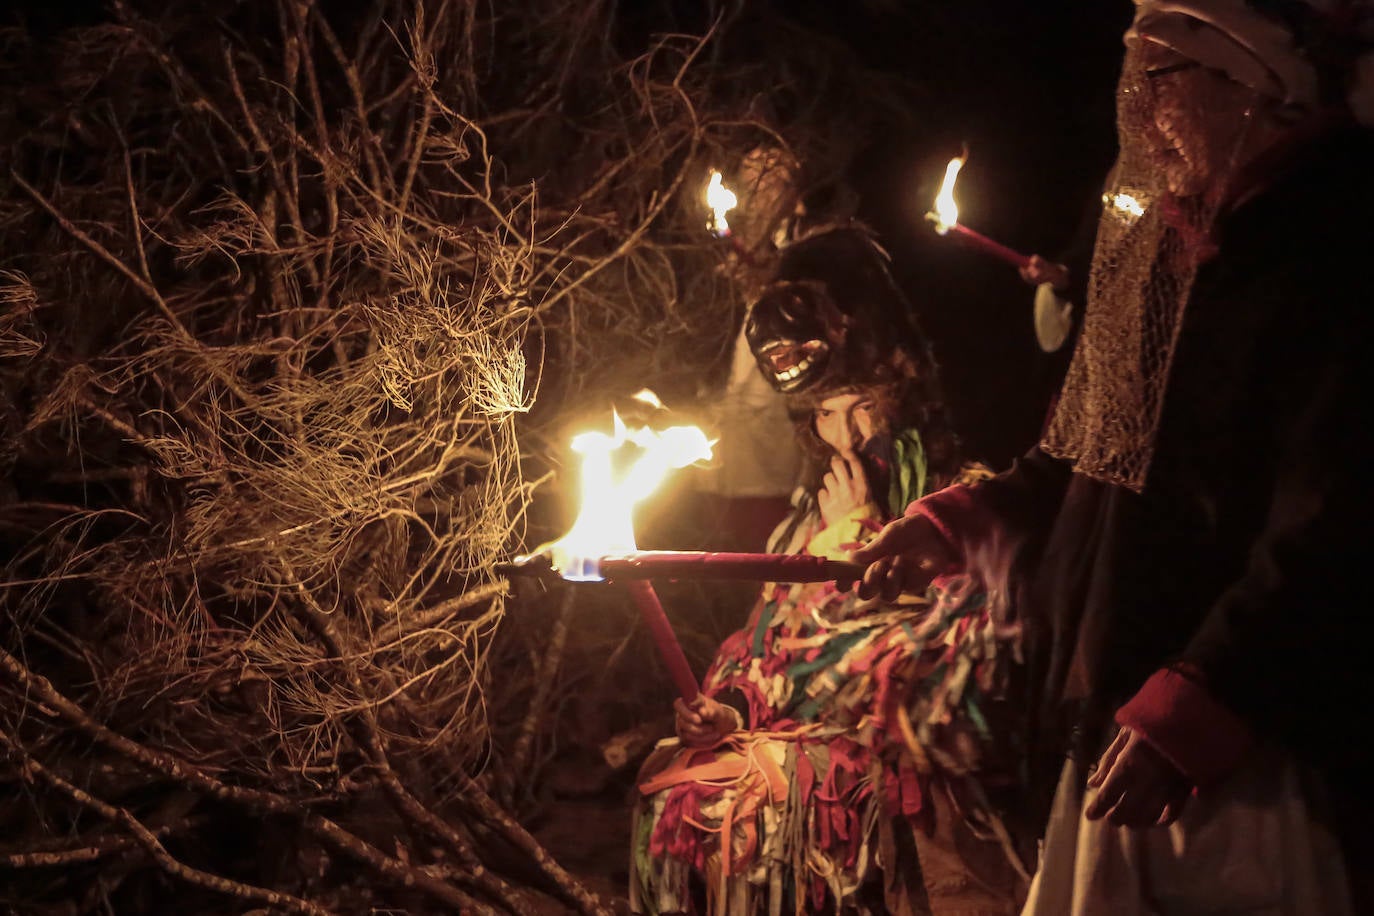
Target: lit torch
(721,200)
(945,218)
(600,546)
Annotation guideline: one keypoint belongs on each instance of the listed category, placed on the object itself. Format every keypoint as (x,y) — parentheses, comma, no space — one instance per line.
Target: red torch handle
(760,567)
(983,243)
(669,649)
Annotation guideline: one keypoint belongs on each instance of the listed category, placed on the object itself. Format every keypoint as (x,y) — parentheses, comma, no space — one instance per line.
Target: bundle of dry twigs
(279,289)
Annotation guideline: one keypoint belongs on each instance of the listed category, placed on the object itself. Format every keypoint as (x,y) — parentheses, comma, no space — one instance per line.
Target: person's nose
(854,433)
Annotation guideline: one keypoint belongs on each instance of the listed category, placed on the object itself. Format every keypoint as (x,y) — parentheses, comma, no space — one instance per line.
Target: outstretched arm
(940,533)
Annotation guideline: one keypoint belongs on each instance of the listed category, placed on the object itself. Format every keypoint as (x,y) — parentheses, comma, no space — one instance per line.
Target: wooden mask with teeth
(833,318)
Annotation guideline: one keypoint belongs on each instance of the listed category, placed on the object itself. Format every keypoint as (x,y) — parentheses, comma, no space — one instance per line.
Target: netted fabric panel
(1150,243)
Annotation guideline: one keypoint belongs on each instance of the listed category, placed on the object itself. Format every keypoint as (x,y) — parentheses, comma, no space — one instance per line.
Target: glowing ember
(1126,206)
(946,210)
(605,523)
(721,200)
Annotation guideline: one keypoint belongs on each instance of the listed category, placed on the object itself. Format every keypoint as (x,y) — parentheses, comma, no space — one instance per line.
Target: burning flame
(946,213)
(721,200)
(605,525)
(1126,206)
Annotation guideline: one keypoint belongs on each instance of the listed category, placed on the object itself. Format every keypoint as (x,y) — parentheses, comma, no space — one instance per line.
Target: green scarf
(908,482)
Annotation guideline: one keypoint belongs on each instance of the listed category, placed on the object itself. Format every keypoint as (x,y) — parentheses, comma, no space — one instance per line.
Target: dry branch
(32,769)
(85,849)
(295,305)
(188,774)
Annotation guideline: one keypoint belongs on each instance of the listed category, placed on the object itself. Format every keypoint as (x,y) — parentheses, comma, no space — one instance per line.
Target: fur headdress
(833,321)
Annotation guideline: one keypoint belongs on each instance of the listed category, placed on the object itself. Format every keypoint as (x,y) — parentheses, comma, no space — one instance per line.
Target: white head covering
(1258,49)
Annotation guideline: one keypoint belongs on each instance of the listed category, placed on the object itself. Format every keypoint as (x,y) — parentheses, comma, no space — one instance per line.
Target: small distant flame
(721,200)
(946,213)
(605,520)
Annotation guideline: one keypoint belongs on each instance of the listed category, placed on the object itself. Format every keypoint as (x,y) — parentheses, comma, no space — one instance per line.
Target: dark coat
(1245,556)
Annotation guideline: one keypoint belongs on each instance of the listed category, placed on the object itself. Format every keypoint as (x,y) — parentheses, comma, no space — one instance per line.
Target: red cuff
(933,516)
(1185,723)
(972,531)
(956,514)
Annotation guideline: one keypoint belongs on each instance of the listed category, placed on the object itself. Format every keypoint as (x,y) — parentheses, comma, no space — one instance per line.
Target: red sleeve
(958,515)
(1181,719)
(976,533)
(992,519)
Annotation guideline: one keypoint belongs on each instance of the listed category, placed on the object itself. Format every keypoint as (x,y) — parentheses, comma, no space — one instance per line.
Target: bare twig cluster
(289,302)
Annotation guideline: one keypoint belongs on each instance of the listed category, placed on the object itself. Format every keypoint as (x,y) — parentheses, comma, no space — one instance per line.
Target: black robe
(1246,553)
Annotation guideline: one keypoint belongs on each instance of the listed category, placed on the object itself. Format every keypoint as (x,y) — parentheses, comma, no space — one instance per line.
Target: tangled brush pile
(279,290)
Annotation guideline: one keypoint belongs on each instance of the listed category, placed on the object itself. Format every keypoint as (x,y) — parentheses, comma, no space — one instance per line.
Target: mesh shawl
(1150,244)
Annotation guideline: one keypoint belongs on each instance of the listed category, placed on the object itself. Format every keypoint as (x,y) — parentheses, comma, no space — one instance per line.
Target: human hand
(1038,270)
(844,488)
(904,557)
(704,721)
(1136,786)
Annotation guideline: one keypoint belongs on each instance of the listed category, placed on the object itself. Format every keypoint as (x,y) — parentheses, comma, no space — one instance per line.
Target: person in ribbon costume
(840,754)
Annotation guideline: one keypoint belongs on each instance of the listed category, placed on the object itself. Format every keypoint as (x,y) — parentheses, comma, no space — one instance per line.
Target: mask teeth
(786,375)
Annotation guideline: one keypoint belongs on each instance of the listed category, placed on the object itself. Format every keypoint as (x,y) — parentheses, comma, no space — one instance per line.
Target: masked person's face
(1198,119)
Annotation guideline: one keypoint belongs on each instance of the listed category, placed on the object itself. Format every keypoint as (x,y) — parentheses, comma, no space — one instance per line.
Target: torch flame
(946,213)
(721,200)
(605,523)
(1125,205)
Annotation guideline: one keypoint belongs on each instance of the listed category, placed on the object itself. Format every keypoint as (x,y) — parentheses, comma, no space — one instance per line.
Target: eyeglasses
(1151,84)
(1153,72)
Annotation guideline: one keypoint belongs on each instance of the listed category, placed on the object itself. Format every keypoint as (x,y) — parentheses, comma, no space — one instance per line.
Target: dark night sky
(1029,87)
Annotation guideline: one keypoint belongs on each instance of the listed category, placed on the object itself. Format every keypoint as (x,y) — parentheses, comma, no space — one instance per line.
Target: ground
(591,838)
